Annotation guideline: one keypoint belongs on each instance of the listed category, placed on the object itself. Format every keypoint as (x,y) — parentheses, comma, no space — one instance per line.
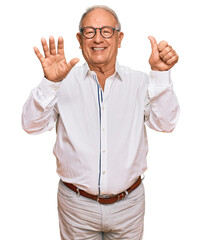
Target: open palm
(54,64)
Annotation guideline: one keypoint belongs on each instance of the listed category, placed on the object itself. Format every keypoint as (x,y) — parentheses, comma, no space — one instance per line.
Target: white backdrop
(28,179)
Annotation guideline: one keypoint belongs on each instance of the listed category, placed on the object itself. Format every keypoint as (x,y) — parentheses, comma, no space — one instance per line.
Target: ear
(79,38)
(121,36)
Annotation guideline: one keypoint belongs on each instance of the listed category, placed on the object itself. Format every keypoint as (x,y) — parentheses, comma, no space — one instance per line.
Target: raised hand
(54,63)
(163,57)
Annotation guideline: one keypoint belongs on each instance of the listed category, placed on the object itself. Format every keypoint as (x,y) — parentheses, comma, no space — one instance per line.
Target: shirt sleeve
(161,104)
(40,110)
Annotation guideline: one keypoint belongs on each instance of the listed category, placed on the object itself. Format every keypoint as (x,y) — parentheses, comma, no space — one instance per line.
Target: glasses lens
(107,32)
(88,32)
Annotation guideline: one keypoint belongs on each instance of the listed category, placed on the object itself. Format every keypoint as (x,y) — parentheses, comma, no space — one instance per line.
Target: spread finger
(45,47)
(52,45)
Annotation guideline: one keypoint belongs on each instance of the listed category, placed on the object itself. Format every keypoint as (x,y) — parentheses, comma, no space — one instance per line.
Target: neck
(102,70)
(102,73)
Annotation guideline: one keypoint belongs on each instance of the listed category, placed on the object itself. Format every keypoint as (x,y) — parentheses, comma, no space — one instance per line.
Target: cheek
(85,47)
(115,48)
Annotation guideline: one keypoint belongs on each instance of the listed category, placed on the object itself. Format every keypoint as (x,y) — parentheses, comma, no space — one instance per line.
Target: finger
(165,51)
(60,46)
(45,47)
(162,45)
(169,55)
(153,44)
(72,63)
(38,54)
(173,60)
(52,45)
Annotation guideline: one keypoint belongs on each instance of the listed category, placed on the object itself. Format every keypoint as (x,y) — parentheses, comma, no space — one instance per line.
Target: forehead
(99,18)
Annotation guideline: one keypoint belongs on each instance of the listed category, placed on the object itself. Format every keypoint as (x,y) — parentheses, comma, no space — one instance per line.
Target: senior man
(100,109)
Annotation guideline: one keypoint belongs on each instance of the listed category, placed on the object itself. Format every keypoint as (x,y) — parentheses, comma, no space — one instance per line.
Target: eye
(107,31)
(88,32)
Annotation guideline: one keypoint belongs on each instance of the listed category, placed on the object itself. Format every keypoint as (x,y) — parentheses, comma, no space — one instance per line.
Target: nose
(98,38)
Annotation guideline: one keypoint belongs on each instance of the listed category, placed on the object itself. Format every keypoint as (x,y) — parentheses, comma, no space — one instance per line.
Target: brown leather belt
(105,199)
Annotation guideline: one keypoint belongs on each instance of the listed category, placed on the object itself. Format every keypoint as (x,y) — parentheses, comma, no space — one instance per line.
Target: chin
(99,60)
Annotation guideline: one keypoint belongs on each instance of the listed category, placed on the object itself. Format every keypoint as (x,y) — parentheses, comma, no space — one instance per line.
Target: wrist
(155,69)
(53,80)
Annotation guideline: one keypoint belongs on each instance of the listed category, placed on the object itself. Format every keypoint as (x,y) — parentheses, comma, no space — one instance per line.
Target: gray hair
(101,7)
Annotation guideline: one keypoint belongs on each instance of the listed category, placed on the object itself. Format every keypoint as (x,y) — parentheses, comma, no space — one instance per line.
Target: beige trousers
(81,218)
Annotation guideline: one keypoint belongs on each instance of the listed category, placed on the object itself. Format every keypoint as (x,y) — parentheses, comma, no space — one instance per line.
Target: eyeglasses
(106,31)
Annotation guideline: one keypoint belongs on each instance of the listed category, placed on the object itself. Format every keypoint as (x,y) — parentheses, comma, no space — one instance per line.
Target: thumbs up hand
(163,57)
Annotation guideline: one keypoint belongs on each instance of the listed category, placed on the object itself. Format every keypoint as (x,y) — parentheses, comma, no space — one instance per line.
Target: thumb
(72,63)
(154,44)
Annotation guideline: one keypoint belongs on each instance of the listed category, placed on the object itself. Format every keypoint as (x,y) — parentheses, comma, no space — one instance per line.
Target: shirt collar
(119,71)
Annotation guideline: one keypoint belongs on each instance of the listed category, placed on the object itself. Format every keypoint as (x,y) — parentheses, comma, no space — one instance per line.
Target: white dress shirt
(101,144)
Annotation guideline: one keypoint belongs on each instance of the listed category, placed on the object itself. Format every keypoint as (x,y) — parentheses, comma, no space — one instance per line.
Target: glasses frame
(82,30)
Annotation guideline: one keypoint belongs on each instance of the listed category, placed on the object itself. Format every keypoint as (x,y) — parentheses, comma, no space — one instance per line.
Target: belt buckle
(103,197)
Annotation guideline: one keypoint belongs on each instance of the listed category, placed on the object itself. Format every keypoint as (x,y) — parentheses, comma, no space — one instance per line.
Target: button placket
(104,148)
(103,135)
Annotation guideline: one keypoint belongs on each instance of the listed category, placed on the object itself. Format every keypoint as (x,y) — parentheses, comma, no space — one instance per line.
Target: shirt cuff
(48,87)
(160,78)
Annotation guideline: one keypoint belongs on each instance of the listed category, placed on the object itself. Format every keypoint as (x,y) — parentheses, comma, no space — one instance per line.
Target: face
(99,51)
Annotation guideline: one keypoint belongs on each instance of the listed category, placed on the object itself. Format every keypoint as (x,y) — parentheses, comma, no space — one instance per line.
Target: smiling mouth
(98,48)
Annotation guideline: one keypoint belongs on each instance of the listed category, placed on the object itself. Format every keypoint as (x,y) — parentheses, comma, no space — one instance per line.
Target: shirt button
(103,172)
(104,150)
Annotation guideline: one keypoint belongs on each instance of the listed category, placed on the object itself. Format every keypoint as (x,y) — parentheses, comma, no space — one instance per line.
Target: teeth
(98,49)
